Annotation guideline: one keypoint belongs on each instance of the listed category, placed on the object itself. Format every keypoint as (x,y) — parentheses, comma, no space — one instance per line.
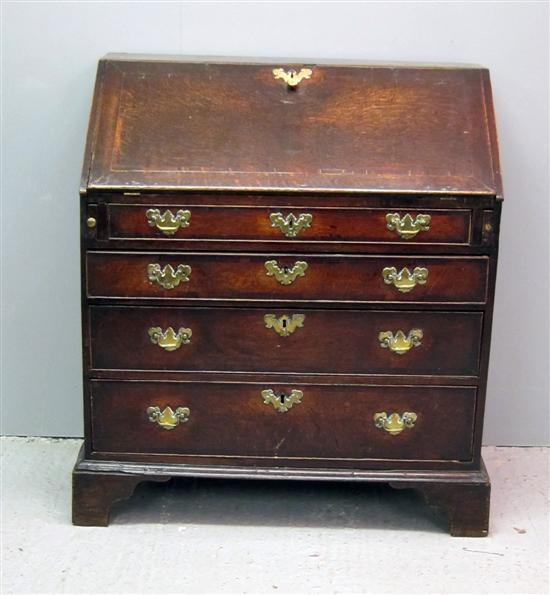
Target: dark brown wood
(232,144)
(465,505)
(237,340)
(331,422)
(329,224)
(461,496)
(209,125)
(328,278)
(95,493)
(468,208)
(487,327)
(293,377)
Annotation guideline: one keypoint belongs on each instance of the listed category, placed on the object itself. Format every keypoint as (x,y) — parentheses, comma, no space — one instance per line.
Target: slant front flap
(186,125)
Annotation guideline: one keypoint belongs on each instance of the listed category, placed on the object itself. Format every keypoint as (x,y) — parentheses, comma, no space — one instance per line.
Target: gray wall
(50,52)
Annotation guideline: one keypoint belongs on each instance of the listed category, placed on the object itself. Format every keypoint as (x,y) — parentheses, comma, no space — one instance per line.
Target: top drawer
(191,222)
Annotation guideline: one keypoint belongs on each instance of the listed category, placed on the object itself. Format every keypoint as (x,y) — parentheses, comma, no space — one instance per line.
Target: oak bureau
(288,272)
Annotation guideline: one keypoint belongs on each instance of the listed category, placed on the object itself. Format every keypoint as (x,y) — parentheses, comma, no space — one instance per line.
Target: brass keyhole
(282,402)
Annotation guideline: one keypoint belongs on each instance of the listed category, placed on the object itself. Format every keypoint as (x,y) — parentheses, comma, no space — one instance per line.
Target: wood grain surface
(330,422)
(234,126)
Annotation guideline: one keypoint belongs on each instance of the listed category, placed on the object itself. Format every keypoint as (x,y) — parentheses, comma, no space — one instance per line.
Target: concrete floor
(266,537)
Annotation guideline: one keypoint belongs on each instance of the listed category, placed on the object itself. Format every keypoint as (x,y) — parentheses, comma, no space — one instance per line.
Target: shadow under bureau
(288,272)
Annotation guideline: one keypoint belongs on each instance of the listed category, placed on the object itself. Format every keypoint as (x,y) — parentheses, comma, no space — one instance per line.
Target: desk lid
(170,124)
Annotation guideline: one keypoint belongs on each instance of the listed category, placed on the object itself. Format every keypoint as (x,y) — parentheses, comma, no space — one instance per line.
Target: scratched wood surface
(344,342)
(226,126)
(232,419)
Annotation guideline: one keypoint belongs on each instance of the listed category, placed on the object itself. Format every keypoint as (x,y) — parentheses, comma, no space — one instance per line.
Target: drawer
(300,421)
(275,340)
(188,222)
(284,277)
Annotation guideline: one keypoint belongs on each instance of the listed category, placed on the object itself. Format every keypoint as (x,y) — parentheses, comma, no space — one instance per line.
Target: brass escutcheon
(282,402)
(394,424)
(406,226)
(291,77)
(404,280)
(168,419)
(285,275)
(167,277)
(400,343)
(284,325)
(170,340)
(290,225)
(167,222)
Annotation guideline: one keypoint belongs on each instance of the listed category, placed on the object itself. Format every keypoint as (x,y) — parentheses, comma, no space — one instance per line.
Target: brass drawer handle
(167,277)
(285,275)
(284,325)
(168,419)
(404,280)
(400,343)
(167,222)
(394,424)
(282,402)
(406,226)
(170,340)
(290,225)
(291,77)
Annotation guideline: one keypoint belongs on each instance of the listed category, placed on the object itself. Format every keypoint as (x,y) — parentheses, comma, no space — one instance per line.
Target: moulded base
(463,496)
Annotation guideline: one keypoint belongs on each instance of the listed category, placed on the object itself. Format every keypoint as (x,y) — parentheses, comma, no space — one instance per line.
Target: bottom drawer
(302,421)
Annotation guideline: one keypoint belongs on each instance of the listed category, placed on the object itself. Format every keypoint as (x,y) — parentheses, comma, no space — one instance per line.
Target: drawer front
(275,340)
(299,224)
(318,421)
(284,277)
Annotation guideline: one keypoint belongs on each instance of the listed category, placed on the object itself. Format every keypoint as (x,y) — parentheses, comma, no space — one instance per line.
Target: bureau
(288,272)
